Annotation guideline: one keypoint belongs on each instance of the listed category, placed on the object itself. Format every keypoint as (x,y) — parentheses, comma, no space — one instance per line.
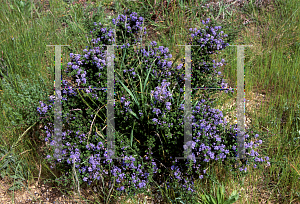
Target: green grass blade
(141,87)
(147,76)
(130,93)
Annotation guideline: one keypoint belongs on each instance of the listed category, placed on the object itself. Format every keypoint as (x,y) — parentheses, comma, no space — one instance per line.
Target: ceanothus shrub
(149,112)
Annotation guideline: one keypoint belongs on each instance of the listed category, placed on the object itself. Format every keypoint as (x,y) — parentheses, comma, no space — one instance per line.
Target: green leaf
(208,199)
(232,198)
(22,4)
(17,177)
(220,194)
(196,103)
(130,93)
(3,173)
(141,87)
(148,76)
(133,114)
(14,187)
(212,199)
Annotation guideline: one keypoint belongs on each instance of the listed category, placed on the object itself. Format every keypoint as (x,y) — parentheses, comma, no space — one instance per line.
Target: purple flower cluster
(133,23)
(157,109)
(209,38)
(43,108)
(208,41)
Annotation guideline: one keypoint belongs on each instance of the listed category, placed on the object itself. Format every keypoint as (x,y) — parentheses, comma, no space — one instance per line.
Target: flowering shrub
(148,111)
